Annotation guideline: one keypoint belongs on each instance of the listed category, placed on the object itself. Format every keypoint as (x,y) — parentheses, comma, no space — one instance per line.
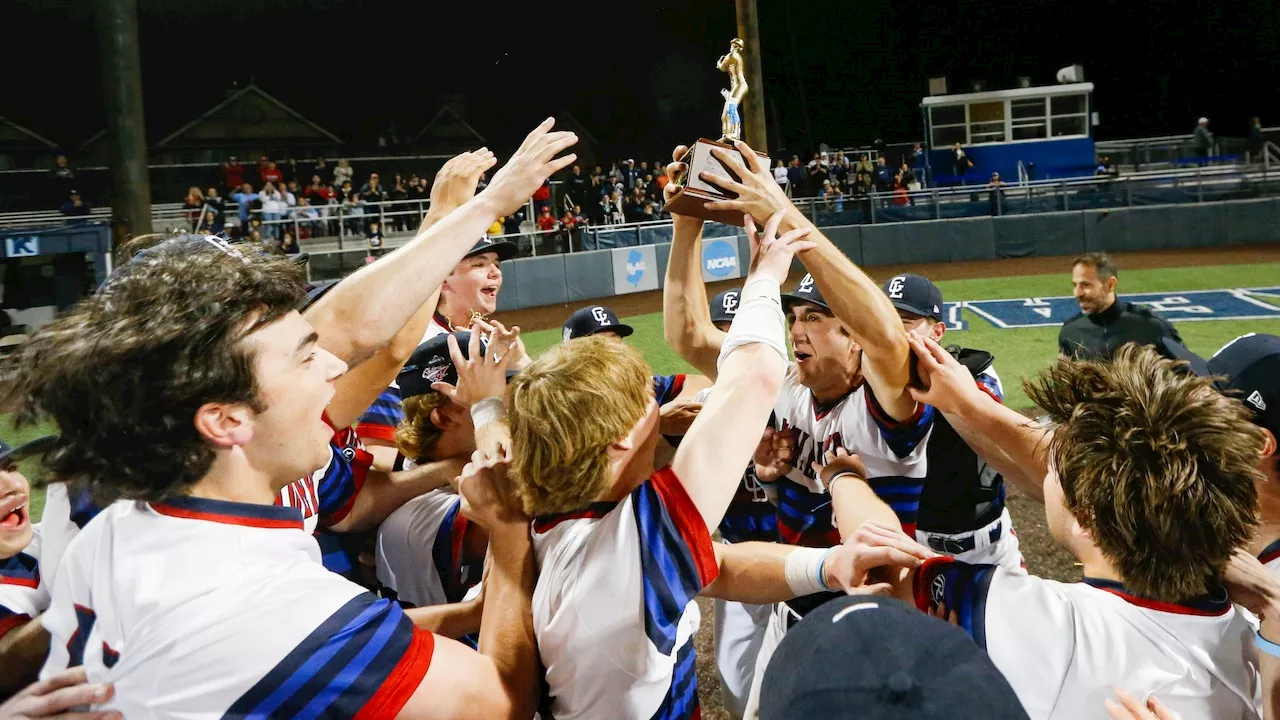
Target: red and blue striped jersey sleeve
(21,597)
(364,661)
(902,436)
(990,384)
(961,587)
(667,387)
(380,420)
(677,558)
(342,479)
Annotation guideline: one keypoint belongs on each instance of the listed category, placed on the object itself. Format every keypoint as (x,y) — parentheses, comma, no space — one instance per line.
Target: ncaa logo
(806,285)
(730,303)
(896,287)
(635,267)
(719,258)
(600,315)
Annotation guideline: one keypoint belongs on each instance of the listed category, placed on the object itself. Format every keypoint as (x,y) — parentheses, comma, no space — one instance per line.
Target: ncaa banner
(635,269)
(720,259)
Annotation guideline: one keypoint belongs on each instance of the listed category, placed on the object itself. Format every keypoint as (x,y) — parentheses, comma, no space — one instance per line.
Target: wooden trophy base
(696,192)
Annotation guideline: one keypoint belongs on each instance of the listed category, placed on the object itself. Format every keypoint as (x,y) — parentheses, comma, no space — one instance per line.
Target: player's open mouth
(13,511)
(802,356)
(489,292)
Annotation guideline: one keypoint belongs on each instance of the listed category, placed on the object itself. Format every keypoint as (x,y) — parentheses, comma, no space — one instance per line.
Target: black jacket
(1093,337)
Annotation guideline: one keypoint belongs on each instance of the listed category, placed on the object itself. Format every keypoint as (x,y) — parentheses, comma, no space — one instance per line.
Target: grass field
(1019,352)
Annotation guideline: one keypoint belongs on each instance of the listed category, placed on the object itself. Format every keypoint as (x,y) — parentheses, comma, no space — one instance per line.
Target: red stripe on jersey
(360,465)
(544,523)
(403,681)
(991,393)
(921,591)
(368,431)
(325,417)
(882,417)
(268,523)
(457,534)
(1270,552)
(688,521)
(11,623)
(677,385)
(1166,607)
(27,582)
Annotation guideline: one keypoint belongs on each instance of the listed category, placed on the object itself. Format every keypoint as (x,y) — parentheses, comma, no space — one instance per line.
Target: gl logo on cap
(730,303)
(896,287)
(806,284)
(600,315)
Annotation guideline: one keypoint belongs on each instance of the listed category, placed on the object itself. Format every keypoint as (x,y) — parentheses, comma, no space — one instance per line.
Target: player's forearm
(751,572)
(384,492)
(999,433)
(366,310)
(853,502)
(22,653)
(453,620)
(686,323)
(506,625)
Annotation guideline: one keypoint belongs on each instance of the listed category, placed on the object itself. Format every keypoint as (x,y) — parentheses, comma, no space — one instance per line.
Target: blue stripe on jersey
(334,555)
(992,385)
(750,521)
(667,387)
(386,411)
(338,484)
(442,556)
(85,619)
(83,508)
(961,587)
(901,494)
(109,657)
(20,569)
(681,701)
(336,669)
(671,579)
(902,436)
(804,518)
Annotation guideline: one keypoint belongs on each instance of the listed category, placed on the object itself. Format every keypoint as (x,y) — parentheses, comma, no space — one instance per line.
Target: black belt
(805,604)
(955,546)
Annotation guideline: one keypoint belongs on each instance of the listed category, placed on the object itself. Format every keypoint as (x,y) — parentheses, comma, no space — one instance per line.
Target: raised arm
(366,310)
(1011,443)
(853,297)
(686,321)
(752,362)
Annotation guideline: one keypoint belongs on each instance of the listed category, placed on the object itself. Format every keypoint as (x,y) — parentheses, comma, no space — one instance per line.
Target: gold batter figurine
(730,119)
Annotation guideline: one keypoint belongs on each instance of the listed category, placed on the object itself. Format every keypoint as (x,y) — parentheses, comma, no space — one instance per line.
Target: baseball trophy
(695,192)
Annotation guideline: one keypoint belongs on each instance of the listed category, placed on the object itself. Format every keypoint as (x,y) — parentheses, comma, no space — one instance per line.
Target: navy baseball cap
(504,248)
(317,290)
(591,320)
(922,668)
(915,294)
(431,363)
(724,306)
(805,293)
(39,445)
(1247,367)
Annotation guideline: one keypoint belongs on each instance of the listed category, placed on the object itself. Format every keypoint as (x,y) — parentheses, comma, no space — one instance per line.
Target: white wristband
(804,571)
(487,410)
(759,319)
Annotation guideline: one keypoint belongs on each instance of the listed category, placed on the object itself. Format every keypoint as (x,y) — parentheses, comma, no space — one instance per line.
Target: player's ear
(224,425)
(1269,443)
(937,331)
(442,418)
(1111,284)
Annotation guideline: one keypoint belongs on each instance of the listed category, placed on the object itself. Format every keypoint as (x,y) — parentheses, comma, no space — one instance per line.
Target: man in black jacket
(1106,323)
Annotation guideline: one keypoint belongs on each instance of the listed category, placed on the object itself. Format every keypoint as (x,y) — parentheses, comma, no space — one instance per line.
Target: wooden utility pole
(117,25)
(754,130)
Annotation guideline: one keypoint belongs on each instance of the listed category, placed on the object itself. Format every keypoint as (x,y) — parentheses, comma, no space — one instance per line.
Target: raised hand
(771,255)
(479,376)
(839,462)
(455,183)
(1252,585)
(676,417)
(759,195)
(59,696)
(503,341)
(530,166)
(872,546)
(948,385)
(488,497)
(773,454)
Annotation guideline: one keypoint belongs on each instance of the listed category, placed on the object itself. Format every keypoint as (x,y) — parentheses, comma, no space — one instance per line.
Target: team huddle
(365,498)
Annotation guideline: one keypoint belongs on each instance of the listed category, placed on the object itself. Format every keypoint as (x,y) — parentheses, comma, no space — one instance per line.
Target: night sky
(640,75)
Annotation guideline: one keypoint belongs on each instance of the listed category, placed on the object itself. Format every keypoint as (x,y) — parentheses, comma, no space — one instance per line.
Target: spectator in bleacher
(495,230)
(832,198)
(352,209)
(863,172)
(511,223)
(75,206)
(1257,141)
(661,179)
(372,195)
(916,157)
(908,177)
(289,245)
(611,207)
(900,195)
(323,171)
(343,173)
(840,170)
(193,203)
(996,195)
(1104,166)
(213,199)
(578,186)
(271,174)
(396,196)
(288,171)
(780,175)
(960,162)
(62,179)
(205,227)
(883,176)
(245,199)
(818,174)
(542,196)
(232,174)
(291,188)
(796,177)
(373,237)
(627,174)
(546,221)
(1203,140)
(308,217)
(274,208)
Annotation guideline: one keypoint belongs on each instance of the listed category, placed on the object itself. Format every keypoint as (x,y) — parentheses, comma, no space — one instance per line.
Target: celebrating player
(207,390)
(23,593)
(1149,482)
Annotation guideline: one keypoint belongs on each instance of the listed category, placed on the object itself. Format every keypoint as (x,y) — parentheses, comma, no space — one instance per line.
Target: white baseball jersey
(1064,646)
(614,610)
(893,452)
(205,608)
(24,593)
(419,553)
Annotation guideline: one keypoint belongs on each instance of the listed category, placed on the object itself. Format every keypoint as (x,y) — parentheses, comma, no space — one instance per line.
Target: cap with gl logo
(915,294)
(725,305)
(806,293)
(591,320)
(505,250)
